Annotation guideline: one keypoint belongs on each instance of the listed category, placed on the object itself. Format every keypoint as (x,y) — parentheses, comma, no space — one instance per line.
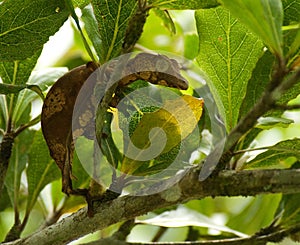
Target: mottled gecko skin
(155,69)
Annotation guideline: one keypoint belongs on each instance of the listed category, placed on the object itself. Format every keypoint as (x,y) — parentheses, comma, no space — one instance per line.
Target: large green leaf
(18,72)
(262,17)
(259,80)
(91,27)
(17,163)
(80,3)
(183,4)
(25,25)
(281,155)
(112,18)
(291,10)
(291,28)
(228,54)
(41,169)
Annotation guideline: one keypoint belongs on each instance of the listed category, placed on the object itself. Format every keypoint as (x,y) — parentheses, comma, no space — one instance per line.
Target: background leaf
(112,18)
(262,17)
(228,54)
(41,169)
(183,216)
(25,25)
(17,163)
(182,4)
(277,155)
(289,210)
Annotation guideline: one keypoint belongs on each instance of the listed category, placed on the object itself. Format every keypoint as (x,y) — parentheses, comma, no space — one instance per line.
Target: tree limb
(226,183)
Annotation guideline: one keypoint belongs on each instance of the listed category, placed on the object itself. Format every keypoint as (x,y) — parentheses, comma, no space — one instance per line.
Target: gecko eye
(162,65)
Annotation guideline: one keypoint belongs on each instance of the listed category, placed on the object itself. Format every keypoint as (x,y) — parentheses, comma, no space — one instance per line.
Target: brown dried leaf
(56,119)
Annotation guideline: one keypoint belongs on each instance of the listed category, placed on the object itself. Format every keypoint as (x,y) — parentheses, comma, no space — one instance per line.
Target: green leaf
(17,163)
(289,210)
(182,4)
(228,54)
(42,79)
(13,89)
(159,131)
(291,9)
(112,18)
(91,27)
(281,155)
(3,111)
(190,42)
(80,3)
(17,72)
(258,82)
(107,143)
(257,213)
(25,25)
(271,122)
(262,17)
(41,169)
(183,216)
(166,19)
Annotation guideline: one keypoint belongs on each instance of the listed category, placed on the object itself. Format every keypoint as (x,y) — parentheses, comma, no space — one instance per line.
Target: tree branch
(226,183)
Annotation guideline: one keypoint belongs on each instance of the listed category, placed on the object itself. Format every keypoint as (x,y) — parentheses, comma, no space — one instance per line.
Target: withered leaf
(56,119)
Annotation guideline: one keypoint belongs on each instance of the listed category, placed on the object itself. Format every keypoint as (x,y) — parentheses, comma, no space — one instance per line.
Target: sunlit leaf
(262,17)
(166,19)
(160,131)
(228,55)
(26,25)
(190,42)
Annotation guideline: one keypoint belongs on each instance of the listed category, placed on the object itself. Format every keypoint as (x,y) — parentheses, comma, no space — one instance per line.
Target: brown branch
(5,153)
(226,183)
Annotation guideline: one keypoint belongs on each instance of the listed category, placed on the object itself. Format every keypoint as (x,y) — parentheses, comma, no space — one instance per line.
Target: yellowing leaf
(160,131)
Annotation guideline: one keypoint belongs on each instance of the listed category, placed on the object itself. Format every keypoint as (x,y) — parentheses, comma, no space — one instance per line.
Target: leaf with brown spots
(56,121)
